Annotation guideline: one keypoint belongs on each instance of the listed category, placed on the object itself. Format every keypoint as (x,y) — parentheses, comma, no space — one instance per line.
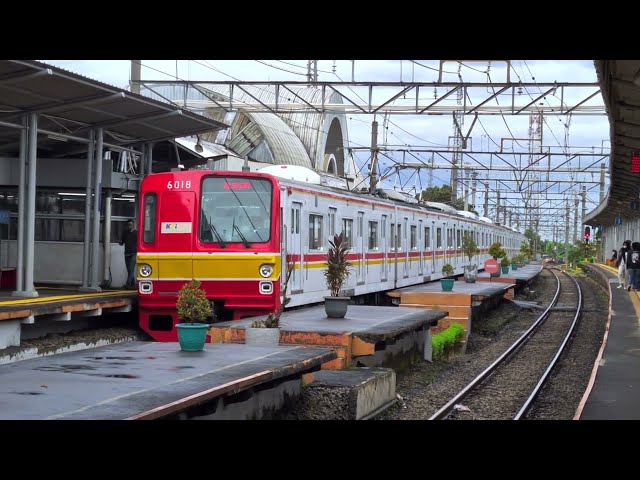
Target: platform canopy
(620,83)
(70,104)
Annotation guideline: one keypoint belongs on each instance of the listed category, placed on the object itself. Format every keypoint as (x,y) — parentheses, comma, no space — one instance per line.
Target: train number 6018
(177,184)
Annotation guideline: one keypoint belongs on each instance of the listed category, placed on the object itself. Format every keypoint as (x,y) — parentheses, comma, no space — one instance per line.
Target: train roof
(306,177)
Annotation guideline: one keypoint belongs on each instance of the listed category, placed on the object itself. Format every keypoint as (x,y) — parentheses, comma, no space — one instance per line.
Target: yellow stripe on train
(209,266)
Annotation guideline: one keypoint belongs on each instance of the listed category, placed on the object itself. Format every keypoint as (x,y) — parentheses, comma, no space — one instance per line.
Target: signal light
(587,233)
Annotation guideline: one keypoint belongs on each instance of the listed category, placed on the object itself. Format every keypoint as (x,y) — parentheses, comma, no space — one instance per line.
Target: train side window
(427,237)
(414,237)
(315,232)
(149,219)
(393,236)
(347,230)
(332,222)
(438,237)
(373,235)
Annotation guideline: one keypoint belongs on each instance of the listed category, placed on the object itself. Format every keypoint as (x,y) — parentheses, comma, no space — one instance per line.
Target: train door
(383,248)
(360,248)
(407,250)
(432,243)
(295,247)
(176,234)
(420,249)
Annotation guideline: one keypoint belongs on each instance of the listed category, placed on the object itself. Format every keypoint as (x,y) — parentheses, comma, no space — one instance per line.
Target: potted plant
(267,331)
(447,283)
(336,273)
(193,311)
(504,263)
(470,249)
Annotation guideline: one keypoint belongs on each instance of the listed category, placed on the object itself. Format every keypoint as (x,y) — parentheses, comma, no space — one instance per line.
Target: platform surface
(481,289)
(124,380)
(615,395)
(376,323)
(525,273)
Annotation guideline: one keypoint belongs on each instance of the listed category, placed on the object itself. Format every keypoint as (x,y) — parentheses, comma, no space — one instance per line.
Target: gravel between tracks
(428,386)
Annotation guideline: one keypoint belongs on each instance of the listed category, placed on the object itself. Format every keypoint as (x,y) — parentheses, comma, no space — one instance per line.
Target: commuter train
(237,231)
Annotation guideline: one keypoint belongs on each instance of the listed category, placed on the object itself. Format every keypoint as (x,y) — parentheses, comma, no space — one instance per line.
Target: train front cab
(220,228)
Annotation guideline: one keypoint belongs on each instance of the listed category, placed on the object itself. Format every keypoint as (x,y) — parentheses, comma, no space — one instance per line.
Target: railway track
(507,388)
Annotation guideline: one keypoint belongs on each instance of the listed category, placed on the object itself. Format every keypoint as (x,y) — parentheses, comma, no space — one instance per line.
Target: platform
(613,392)
(520,277)
(368,336)
(150,380)
(57,305)
(464,303)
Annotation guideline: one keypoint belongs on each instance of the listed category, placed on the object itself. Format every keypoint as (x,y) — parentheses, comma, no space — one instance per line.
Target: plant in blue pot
(445,282)
(194,309)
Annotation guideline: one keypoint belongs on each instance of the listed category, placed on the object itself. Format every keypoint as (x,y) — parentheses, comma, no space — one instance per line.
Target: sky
(584,133)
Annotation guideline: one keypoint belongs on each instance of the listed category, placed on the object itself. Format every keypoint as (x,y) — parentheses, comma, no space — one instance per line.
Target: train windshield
(235,209)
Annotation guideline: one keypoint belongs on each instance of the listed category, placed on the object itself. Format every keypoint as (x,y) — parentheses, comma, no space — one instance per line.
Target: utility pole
(135,76)
(486,199)
(431,171)
(601,182)
(466,190)
(374,157)
(312,70)
(498,206)
(474,188)
(566,234)
(458,121)
(584,203)
(575,219)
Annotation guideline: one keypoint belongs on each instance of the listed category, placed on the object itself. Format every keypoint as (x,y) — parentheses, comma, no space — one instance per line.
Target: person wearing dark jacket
(633,265)
(129,239)
(622,264)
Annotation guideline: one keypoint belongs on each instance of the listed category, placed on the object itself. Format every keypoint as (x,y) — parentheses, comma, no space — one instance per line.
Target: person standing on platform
(622,264)
(633,266)
(129,239)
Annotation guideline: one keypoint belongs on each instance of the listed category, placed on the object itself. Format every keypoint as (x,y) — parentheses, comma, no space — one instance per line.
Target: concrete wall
(61,262)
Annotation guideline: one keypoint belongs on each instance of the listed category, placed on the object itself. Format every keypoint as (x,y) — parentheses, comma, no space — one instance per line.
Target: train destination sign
(635,162)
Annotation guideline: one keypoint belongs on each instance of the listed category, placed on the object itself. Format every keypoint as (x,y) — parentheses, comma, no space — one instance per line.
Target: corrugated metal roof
(70,103)
(308,127)
(284,144)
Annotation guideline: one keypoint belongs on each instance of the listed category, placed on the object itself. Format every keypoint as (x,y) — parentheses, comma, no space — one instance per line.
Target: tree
(443,195)
(534,238)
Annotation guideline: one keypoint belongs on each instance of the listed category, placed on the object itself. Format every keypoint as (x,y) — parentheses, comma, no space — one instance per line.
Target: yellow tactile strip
(58,298)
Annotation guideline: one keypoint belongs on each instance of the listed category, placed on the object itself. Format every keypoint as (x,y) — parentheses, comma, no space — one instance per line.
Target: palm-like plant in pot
(194,309)
(336,273)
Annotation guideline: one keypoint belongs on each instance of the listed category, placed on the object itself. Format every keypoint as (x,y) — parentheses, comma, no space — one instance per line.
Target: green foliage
(337,266)
(273,319)
(581,250)
(442,194)
(505,262)
(496,251)
(469,246)
(193,305)
(447,270)
(446,338)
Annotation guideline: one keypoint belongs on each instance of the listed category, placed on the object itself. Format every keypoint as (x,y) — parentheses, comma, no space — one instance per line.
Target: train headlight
(266,270)
(145,270)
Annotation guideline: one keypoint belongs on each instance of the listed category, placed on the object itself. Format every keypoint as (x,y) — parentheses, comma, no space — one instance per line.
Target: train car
(237,231)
